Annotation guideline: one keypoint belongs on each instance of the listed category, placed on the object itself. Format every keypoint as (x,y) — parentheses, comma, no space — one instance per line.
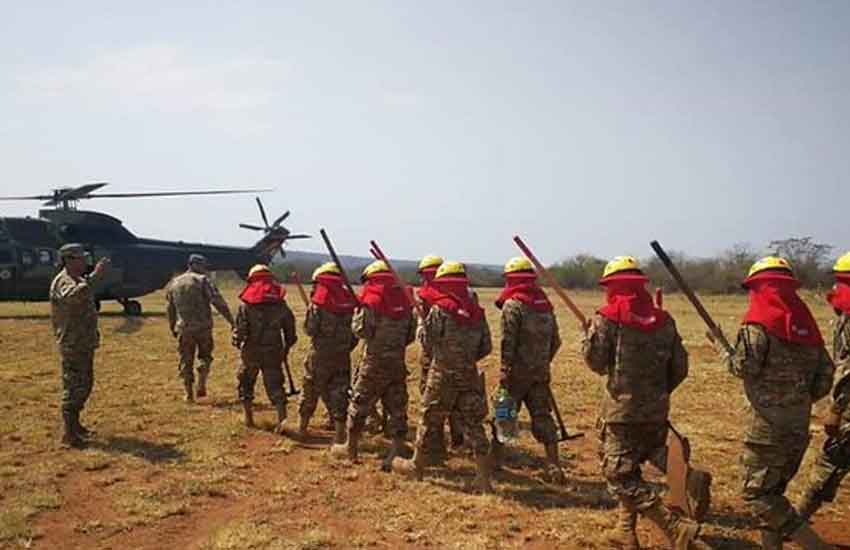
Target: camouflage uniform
(382,373)
(642,369)
(781,380)
(74,318)
(189,296)
(454,384)
(530,341)
(830,469)
(257,332)
(327,368)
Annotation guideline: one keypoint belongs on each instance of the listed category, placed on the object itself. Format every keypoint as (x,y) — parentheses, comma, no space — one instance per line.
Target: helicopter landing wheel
(132,308)
(97,305)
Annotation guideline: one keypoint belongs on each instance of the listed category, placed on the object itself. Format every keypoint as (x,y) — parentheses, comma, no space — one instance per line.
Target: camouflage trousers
(77,379)
(384,382)
(624,448)
(328,377)
(444,397)
(435,445)
(535,396)
(265,360)
(188,344)
(768,469)
(828,473)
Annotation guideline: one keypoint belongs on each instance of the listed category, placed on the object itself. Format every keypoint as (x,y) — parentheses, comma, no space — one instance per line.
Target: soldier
(636,345)
(262,318)
(385,323)
(530,341)
(189,297)
(327,368)
(833,461)
(456,336)
(74,318)
(781,358)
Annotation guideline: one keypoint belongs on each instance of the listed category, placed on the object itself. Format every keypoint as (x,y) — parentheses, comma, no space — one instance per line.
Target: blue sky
(440,127)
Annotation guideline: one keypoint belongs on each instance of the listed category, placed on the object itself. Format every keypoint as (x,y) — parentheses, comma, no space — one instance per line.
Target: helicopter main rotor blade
(262,212)
(32,198)
(254,227)
(173,193)
(299,236)
(280,219)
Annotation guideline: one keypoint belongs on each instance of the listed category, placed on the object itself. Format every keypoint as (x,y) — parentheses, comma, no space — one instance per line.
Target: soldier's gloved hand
(832,424)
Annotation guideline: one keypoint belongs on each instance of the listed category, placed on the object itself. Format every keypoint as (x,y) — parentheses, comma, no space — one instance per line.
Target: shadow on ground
(155,453)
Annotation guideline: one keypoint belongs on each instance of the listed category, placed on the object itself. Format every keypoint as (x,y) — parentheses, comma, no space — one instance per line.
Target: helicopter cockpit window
(44,257)
(32,232)
(26,258)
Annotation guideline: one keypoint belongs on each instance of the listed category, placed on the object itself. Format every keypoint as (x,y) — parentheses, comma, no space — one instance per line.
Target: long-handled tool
(296,280)
(292,388)
(379,254)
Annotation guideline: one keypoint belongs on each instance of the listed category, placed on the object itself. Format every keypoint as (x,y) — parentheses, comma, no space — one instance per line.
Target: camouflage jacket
(329,332)
(455,347)
(385,338)
(530,341)
(841,354)
(189,296)
(781,381)
(642,369)
(264,326)
(73,313)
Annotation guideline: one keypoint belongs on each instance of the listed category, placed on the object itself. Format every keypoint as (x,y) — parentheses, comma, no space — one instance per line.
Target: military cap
(72,249)
(197,259)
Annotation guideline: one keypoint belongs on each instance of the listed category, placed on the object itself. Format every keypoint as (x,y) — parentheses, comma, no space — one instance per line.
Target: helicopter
(29,257)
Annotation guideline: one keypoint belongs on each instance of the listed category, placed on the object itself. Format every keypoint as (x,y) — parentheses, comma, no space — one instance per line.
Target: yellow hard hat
(257,269)
(429,261)
(519,263)
(770,263)
(375,267)
(450,268)
(327,267)
(842,264)
(619,264)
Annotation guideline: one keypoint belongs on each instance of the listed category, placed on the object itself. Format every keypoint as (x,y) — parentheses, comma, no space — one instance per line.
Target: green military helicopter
(29,247)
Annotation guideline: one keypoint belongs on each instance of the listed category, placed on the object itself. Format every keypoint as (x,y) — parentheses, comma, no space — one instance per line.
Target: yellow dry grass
(164,474)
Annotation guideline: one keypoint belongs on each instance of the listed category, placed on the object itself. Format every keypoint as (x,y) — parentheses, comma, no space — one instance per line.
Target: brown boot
(771,540)
(281,418)
(303,427)
(679,531)
(497,455)
(202,383)
(348,449)
(623,534)
(808,539)
(70,437)
(554,471)
(81,430)
(810,504)
(190,391)
(339,432)
(482,477)
(248,406)
(699,493)
(395,450)
(413,468)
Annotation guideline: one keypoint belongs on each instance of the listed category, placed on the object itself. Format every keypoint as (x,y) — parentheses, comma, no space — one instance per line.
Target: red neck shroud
(523,287)
(426,276)
(452,294)
(775,305)
(262,288)
(629,304)
(839,296)
(382,295)
(330,294)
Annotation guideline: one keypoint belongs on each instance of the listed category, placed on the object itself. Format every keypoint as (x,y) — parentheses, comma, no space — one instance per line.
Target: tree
(808,258)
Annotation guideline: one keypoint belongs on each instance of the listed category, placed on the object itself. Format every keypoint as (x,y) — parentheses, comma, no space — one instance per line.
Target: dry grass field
(165,474)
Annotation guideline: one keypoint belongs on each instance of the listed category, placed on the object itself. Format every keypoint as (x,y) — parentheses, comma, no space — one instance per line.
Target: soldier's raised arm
(599,344)
(69,291)
(287,326)
(750,354)
(217,300)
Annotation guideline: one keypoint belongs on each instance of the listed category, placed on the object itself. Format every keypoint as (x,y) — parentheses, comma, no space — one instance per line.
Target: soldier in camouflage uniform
(456,336)
(530,341)
(264,331)
(833,461)
(74,318)
(189,296)
(385,323)
(785,369)
(637,347)
(327,368)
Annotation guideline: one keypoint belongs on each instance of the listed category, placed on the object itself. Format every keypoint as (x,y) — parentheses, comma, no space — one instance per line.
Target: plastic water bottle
(506,417)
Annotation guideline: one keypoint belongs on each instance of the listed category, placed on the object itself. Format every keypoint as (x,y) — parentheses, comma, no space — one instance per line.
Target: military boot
(810,504)
(70,437)
(680,532)
(623,534)
(202,383)
(497,455)
(482,476)
(699,493)
(396,449)
(190,391)
(281,418)
(456,432)
(248,407)
(349,448)
(808,539)
(554,471)
(303,427)
(81,430)
(339,432)
(414,467)
(771,540)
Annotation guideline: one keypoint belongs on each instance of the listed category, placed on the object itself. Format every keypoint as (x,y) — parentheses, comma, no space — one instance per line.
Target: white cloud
(162,77)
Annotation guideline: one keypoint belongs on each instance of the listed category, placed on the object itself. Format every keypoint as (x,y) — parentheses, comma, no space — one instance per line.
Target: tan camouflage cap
(72,250)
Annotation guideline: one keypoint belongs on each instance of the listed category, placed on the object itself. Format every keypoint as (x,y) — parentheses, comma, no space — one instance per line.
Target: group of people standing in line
(631,341)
